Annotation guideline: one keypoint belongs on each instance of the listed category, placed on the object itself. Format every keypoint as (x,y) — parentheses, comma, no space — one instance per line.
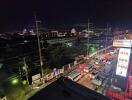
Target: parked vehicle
(90,65)
(97,82)
(108,62)
(94,74)
(88,68)
(61,34)
(74,75)
(96,62)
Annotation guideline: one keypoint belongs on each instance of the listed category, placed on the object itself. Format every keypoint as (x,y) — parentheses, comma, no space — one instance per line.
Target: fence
(53,74)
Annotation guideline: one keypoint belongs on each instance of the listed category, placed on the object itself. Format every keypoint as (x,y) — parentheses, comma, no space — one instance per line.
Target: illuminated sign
(123,61)
(36,77)
(122,43)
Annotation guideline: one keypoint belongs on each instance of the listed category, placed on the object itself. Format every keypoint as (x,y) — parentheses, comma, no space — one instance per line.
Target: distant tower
(24,31)
(32,32)
(73,31)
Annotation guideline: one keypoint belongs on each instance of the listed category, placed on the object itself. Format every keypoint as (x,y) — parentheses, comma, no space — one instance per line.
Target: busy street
(96,73)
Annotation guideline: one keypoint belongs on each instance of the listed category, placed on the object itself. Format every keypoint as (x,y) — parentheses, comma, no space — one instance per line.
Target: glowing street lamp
(24,82)
(14,81)
(93,49)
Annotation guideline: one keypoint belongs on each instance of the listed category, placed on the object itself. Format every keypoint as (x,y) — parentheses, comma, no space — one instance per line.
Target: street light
(93,49)
(24,82)
(25,68)
(14,81)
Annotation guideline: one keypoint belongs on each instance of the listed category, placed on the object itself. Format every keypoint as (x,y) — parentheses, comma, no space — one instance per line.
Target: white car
(97,82)
(108,62)
(104,83)
(111,52)
(94,74)
(96,62)
(86,70)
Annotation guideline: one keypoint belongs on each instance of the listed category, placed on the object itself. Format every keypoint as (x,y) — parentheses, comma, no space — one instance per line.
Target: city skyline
(18,14)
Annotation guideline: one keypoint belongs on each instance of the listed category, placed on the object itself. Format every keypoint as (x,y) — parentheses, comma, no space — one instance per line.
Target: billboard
(123,61)
(122,43)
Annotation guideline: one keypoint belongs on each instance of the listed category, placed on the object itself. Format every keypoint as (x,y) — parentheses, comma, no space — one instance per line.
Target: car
(88,69)
(96,59)
(97,82)
(104,83)
(102,76)
(108,62)
(93,69)
(94,74)
(90,65)
(113,51)
(96,62)
(110,59)
(74,76)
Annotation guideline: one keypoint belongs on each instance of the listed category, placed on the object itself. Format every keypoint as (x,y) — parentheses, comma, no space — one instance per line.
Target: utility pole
(88,32)
(25,68)
(107,35)
(39,47)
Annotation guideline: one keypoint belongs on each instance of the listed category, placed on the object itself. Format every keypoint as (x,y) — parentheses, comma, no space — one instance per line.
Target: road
(105,71)
(85,81)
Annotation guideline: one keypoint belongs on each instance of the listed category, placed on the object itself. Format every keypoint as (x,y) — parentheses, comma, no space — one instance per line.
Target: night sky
(15,14)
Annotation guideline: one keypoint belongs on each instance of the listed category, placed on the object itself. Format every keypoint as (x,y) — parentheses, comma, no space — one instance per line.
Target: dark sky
(19,13)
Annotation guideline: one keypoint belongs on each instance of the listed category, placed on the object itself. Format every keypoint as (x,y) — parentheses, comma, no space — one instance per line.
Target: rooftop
(65,89)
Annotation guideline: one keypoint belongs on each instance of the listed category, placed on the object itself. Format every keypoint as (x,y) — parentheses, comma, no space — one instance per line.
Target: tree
(56,56)
(92,48)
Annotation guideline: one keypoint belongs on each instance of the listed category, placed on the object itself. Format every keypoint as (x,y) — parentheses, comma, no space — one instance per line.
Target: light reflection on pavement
(85,81)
